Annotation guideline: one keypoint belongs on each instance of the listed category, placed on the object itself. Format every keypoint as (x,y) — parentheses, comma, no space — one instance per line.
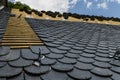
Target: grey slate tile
(102,64)
(78,48)
(57,51)
(115,62)
(75,51)
(83,66)
(67,60)
(28,54)
(90,51)
(102,59)
(21,63)
(14,54)
(103,51)
(54,56)
(102,72)
(71,55)
(54,75)
(35,49)
(51,45)
(19,77)
(4,50)
(116,76)
(2,64)
(80,74)
(64,48)
(37,70)
(3,79)
(86,60)
(48,61)
(62,67)
(87,55)
(115,69)
(31,77)
(102,55)
(95,77)
(40,49)
(8,71)
(44,50)
(57,42)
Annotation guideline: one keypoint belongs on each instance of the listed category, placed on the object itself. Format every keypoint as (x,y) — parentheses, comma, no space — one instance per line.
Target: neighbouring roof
(72,51)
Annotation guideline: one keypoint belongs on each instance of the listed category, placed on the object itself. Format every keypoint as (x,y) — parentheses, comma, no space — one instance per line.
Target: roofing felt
(72,51)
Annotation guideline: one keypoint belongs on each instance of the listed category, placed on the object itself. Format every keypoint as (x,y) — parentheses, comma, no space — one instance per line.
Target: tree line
(28,10)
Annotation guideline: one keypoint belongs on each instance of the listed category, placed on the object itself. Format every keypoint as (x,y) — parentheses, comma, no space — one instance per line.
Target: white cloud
(96,0)
(102,5)
(89,4)
(118,1)
(73,3)
(52,5)
(85,1)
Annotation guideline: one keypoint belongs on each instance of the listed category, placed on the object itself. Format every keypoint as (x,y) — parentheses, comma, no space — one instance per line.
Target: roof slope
(72,51)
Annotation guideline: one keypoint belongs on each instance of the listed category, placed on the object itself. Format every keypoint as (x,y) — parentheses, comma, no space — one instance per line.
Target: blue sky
(108,8)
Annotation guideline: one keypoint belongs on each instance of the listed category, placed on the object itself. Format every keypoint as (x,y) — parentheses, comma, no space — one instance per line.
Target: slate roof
(72,51)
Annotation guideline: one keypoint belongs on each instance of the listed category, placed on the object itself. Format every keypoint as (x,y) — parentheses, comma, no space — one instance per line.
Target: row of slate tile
(72,51)
(24,61)
(88,47)
(4,15)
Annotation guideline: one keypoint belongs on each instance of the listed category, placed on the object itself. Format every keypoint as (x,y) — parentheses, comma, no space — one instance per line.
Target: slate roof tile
(75,51)
(8,71)
(83,66)
(80,74)
(102,72)
(102,59)
(67,60)
(116,76)
(53,75)
(19,77)
(31,77)
(37,70)
(72,55)
(21,62)
(96,77)
(88,55)
(48,61)
(115,62)
(57,51)
(14,54)
(2,78)
(102,64)
(2,64)
(4,50)
(115,69)
(64,48)
(54,56)
(86,60)
(62,67)
(31,56)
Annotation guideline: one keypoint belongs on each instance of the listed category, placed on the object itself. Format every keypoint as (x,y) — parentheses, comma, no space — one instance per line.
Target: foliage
(18,5)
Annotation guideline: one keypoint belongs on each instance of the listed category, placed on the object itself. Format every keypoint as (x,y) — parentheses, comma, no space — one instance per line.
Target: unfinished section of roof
(72,51)
(19,34)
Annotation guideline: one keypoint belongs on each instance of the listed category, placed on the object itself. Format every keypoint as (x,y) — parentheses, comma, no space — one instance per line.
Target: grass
(16,11)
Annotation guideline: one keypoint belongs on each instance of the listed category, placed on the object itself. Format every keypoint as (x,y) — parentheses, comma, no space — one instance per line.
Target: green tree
(18,5)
